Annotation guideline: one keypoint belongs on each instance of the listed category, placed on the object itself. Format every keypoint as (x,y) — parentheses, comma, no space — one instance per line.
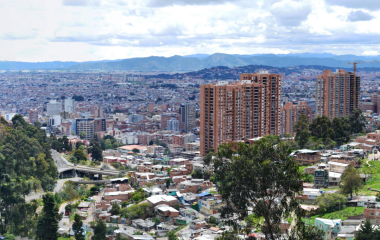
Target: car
(102,169)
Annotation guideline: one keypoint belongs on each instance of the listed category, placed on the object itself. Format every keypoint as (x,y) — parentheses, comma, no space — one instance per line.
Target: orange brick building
(247,109)
(290,114)
(337,94)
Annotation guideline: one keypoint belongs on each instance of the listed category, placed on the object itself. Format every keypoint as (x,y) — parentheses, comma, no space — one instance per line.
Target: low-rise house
(372,213)
(331,227)
(308,195)
(165,212)
(145,225)
(120,195)
(162,199)
(197,224)
(211,205)
(306,157)
(188,213)
(335,178)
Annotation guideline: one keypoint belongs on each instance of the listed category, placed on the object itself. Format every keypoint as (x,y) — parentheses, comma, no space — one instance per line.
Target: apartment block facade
(290,114)
(237,111)
(337,94)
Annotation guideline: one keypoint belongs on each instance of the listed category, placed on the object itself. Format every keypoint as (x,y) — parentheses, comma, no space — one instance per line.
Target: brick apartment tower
(290,114)
(246,109)
(335,94)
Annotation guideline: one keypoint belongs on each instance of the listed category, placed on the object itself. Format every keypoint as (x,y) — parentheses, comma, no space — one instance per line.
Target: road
(58,187)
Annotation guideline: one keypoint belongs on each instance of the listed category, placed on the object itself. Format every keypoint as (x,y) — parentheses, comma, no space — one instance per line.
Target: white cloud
(82,30)
(370,53)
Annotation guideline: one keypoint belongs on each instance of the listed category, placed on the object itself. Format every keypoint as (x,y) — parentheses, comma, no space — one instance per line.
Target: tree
(341,128)
(156,221)
(151,142)
(258,174)
(168,181)
(301,130)
(172,236)
(80,155)
(357,121)
(100,230)
(97,153)
(329,201)
(150,185)
(115,210)
(47,225)
(119,237)
(208,158)
(135,150)
(321,127)
(351,181)
(68,208)
(367,232)
(83,135)
(77,227)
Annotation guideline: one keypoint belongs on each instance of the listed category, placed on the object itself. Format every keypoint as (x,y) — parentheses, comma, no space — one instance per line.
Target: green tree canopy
(329,201)
(100,230)
(47,225)
(257,175)
(356,121)
(77,227)
(351,181)
(301,130)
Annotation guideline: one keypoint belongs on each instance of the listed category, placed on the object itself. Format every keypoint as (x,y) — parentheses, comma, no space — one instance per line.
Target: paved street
(58,187)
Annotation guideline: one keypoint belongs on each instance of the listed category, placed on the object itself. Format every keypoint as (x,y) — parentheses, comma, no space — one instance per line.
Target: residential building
(337,94)
(85,125)
(249,108)
(53,108)
(70,105)
(306,157)
(187,112)
(173,124)
(290,114)
(372,213)
(331,227)
(33,115)
(165,117)
(321,176)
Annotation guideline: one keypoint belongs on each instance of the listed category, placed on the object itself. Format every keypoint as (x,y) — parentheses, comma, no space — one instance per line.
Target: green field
(350,211)
(373,182)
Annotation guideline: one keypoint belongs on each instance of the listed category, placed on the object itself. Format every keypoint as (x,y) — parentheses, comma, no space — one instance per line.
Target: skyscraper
(247,109)
(187,112)
(290,114)
(53,108)
(336,94)
(70,105)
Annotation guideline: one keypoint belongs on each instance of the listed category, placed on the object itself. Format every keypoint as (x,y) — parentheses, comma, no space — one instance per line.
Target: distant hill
(200,61)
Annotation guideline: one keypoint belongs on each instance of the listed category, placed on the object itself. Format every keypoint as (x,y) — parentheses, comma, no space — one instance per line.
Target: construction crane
(355,63)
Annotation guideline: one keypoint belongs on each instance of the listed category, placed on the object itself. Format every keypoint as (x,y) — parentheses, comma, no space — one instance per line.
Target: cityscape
(189,120)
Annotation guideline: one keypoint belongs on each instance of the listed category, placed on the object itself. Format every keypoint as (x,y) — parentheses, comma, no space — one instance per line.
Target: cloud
(290,13)
(356,16)
(357,4)
(165,3)
(76,3)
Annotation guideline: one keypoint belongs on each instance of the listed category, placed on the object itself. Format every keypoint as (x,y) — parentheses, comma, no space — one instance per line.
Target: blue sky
(84,30)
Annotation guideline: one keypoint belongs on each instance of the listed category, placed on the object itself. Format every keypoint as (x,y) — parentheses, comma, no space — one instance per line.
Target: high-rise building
(337,94)
(237,111)
(151,107)
(53,108)
(85,125)
(173,124)
(69,105)
(188,112)
(99,125)
(97,112)
(290,114)
(33,115)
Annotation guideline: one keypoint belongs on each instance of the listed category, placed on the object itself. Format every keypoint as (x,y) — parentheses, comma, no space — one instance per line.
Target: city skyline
(90,30)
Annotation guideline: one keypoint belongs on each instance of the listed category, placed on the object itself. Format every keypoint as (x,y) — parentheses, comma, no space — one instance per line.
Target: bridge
(67,169)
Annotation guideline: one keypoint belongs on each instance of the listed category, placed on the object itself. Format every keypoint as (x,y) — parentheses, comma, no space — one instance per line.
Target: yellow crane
(355,63)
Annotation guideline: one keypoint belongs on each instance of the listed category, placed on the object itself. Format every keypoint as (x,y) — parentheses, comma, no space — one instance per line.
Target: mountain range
(199,61)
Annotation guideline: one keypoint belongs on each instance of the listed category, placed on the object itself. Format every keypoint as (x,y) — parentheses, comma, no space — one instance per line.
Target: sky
(89,30)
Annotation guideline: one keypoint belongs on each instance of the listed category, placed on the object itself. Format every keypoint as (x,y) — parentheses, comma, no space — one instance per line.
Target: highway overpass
(66,168)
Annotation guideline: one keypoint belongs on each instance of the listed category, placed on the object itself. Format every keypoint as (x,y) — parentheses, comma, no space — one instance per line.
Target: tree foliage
(356,121)
(329,201)
(100,230)
(301,130)
(47,225)
(258,175)
(77,227)
(351,181)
